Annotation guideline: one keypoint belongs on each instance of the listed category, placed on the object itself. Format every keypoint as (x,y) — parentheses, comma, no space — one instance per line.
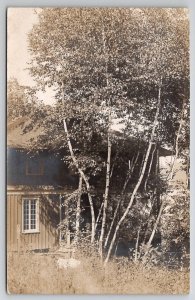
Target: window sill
(30,231)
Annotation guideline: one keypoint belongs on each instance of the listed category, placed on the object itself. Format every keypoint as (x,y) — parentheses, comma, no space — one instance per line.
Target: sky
(19,23)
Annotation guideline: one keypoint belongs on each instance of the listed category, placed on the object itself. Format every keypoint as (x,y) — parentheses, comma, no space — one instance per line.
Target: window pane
(33,214)
(26,214)
(30,214)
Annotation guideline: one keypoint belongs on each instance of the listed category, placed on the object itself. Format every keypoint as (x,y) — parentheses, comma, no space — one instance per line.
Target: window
(30,213)
(34,166)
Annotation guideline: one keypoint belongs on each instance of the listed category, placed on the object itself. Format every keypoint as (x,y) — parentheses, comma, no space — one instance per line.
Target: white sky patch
(118,125)
(20,23)
(48,96)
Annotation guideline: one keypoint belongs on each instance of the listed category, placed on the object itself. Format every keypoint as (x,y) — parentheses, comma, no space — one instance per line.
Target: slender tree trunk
(153,231)
(147,226)
(187,173)
(136,245)
(60,237)
(132,167)
(105,205)
(150,167)
(106,189)
(142,163)
(120,201)
(99,214)
(113,165)
(155,194)
(80,172)
(117,152)
(177,142)
(78,210)
(140,177)
(84,179)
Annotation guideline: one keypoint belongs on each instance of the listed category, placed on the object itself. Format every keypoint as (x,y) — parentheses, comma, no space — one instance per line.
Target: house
(37,183)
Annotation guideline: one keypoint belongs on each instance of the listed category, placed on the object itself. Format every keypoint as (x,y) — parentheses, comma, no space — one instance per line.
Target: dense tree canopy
(117,55)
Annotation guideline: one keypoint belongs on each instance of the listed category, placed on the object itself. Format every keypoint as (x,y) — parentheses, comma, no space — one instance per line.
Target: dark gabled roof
(20,138)
(132,143)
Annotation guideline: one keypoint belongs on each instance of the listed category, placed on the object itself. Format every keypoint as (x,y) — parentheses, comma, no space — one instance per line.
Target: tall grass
(35,273)
(40,274)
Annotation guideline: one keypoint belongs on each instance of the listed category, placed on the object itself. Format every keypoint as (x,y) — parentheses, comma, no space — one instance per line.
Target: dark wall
(45,168)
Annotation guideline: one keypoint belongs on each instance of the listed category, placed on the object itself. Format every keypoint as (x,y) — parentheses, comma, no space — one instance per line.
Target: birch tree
(110,63)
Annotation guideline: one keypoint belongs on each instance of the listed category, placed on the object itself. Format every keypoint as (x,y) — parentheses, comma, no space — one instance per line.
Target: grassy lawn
(40,274)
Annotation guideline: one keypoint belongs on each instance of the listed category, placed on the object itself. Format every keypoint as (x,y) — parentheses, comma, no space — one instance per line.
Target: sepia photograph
(98,138)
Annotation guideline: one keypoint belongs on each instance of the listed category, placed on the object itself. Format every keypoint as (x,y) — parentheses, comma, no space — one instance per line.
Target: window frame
(36,230)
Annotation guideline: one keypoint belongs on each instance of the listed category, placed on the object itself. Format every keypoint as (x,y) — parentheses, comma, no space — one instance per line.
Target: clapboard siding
(47,237)
(8,225)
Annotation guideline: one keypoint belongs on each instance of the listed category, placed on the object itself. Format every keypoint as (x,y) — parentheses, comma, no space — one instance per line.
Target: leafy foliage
(21,100)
